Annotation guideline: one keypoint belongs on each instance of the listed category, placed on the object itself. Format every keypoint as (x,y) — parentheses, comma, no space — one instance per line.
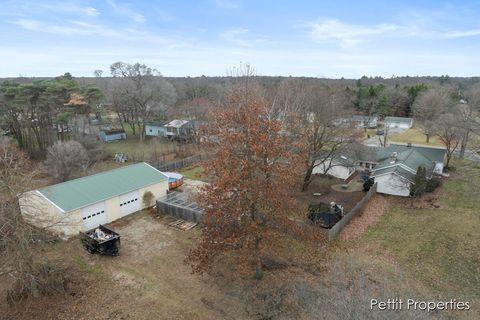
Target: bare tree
(469,116)
(143,91)
(64,157)
(324,137)
(33,275)
(428,106)
(448,131)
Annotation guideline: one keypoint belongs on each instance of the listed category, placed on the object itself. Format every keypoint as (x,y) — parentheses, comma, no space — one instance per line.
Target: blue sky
(208,37)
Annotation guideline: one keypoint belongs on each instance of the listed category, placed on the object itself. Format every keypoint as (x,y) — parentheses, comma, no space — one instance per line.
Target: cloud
(126,11)
(348,35)
(236,36)
(68,28)
(333,30)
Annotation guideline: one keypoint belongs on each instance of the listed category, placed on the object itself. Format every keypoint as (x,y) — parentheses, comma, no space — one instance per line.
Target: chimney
(393,157)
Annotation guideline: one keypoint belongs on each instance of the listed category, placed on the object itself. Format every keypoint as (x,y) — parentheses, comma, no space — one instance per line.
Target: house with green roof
(84,203)
(393,167)
(396,174)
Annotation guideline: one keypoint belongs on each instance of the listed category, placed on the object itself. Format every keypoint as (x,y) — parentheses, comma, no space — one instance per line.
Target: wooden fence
(177,164)
(338,227)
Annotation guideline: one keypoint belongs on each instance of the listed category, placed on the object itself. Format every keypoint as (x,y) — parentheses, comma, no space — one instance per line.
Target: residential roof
(378,154)
(157,124)
(397,170)
(398,119)
(405,164)
(78,193)
(176,123)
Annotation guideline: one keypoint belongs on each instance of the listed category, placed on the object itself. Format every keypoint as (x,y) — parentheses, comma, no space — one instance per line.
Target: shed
(398,122)
(156,129)
(82,204)
(112,135)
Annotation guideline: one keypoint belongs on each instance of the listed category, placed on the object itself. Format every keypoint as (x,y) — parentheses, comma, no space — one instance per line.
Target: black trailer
(101,240)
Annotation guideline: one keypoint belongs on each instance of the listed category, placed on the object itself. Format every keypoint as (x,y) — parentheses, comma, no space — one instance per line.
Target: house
(178,128)
(369,122)
(82,204)
(156,129)
(396,174)
(340,167)
(393,167)
(112,135)
(398,122)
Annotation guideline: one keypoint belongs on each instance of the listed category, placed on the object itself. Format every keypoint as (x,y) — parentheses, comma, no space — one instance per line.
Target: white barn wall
(52,219)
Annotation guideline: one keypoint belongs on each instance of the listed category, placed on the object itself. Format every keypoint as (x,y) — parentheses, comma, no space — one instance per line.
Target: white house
(156,129)
(398,122)
(394,167)
(396,174)
(82,204)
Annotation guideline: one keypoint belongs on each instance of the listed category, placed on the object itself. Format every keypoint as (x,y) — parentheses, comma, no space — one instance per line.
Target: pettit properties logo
(412,304)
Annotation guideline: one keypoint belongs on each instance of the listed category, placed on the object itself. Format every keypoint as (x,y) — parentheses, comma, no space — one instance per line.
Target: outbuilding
(82,204)
(112,135)
(398,122)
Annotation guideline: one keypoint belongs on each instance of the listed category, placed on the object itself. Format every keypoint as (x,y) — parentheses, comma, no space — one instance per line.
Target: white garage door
(129,202)
(94,215)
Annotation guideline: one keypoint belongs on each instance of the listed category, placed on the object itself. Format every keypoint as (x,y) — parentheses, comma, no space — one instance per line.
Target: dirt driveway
(148,280)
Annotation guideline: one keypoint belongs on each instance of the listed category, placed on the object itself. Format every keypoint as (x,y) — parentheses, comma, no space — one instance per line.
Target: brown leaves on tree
(249,204)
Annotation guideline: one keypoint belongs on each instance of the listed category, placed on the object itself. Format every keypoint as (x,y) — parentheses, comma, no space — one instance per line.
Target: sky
(330,39)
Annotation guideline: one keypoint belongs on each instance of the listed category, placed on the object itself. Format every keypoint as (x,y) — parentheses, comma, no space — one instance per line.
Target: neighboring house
(82,204)
(156,129)
(340,167)
(396,174)
(112,135)
(177,128)
(398,122)
(365,121)
(393,167)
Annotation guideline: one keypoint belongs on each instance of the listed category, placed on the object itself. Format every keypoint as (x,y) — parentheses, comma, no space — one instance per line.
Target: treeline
(38,112)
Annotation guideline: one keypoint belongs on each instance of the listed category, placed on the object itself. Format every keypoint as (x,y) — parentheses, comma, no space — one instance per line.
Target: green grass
(438,247)
(194,173)
(415,136)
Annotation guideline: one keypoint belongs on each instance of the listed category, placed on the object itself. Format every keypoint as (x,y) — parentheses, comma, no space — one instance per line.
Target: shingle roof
(88,190)
(405,164)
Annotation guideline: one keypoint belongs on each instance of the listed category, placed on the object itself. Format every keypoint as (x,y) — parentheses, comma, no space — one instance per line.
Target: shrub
(147,199)
(433,184)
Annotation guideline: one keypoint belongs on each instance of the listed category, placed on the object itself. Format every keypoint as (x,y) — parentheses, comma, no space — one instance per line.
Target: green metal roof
(88,190)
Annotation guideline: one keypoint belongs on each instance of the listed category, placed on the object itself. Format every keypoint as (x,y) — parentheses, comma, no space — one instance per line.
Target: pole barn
(82,204)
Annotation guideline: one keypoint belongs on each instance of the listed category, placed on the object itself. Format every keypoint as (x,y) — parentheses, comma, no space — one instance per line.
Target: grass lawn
(194,173)
(439,248)
(415,136)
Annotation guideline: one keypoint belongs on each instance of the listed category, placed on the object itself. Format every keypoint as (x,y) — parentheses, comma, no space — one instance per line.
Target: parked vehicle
(101,240)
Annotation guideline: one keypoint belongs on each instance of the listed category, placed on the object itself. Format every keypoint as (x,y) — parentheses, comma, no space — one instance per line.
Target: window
(121,204)
(103,211)
(84,218)
(150,130)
